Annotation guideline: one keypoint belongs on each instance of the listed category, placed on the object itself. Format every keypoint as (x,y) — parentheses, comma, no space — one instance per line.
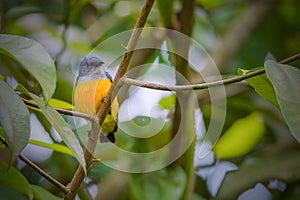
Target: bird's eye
(84,69)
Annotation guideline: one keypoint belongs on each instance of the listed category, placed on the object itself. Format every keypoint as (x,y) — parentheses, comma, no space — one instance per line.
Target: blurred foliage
(235,142)
(263,148)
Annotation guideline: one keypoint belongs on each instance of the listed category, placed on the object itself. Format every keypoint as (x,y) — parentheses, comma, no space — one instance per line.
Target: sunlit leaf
(168,102)
(286,82)
(34,58)
(56,103)
(14,118)
(162,184)
(56,147)
(241,137)
(262,86)
(13,179)
(60,125)
(41,194)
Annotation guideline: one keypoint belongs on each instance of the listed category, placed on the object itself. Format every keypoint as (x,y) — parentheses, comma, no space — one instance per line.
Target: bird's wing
(109,76)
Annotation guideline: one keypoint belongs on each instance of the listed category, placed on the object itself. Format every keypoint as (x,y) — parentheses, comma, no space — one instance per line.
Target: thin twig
(199,86)
(63,111)
(39,170)
(290,59)
(102,112)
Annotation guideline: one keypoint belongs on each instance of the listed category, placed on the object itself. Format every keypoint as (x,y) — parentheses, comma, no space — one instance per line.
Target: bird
(91,86)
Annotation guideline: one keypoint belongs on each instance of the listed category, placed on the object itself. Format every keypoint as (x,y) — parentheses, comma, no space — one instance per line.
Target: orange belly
(88,95)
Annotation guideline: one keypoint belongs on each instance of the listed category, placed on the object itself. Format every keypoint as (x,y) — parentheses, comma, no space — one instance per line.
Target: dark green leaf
(40,193)
(11,194)
(14,118)
(162,184)
(60,125)
(262,86)
(13,179)
(286,82)
(34,58)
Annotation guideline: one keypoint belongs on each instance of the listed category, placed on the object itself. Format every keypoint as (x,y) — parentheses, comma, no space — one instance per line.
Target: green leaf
(13,179)
(162,184)
(62,128)
(168,102)
(15,120)
(262,86)
(34,58)
(60,125)
(241,137)
(11,194)
(286,82)
(56,103)
(56,147)
(40,193)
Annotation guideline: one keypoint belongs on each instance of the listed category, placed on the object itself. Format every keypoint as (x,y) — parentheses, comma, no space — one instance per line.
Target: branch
(102,112)
(200,86)
(39,170)
(63,111)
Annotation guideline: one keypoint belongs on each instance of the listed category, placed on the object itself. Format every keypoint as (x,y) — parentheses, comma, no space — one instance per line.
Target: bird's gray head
(89,64)
(91,67)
